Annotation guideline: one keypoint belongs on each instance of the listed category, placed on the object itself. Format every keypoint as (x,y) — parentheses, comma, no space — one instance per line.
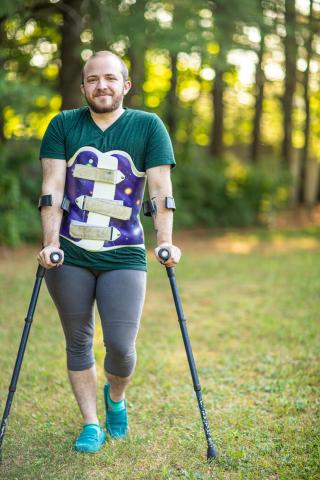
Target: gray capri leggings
(120,297)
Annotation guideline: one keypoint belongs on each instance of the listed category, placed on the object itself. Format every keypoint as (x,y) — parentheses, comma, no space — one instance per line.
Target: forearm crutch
(164,254)
(55,257)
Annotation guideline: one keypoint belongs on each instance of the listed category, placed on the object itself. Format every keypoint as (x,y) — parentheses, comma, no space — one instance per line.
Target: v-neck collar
(107,130)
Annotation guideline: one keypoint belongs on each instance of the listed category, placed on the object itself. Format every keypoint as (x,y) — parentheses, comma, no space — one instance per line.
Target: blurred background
(236,83)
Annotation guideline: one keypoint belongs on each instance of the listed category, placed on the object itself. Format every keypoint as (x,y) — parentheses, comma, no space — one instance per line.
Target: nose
(102,84)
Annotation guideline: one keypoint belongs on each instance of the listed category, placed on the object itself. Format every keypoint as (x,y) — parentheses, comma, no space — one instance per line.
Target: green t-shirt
(141,134)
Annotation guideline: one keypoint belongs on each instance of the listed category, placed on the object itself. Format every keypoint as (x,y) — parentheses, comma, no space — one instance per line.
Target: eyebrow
(105,75)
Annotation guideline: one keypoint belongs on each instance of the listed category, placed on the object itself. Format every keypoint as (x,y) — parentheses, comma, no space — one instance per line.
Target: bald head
(107,54)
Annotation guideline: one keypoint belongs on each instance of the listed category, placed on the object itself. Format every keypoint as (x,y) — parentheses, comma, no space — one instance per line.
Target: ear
(127,86)
(82,88)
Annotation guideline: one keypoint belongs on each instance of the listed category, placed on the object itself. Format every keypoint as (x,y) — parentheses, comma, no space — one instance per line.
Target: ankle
(116,396)
(90,420)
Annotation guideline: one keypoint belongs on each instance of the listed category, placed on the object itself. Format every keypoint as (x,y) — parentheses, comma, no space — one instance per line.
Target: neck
(107,117)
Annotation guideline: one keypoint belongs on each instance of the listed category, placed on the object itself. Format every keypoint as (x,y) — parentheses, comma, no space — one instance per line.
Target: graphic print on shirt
(105,191)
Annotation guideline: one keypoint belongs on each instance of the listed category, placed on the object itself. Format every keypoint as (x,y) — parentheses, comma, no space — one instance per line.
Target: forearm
(160,187)
(51,217)
(163,222)
(51,220)
(53,184)
(163,217)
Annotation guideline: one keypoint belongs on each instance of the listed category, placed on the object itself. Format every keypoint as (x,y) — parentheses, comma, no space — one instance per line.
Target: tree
(229,20)
(290,49)
(259,95)
(172,100)
(73,24)
(224,27)
(260,79)
(305,149)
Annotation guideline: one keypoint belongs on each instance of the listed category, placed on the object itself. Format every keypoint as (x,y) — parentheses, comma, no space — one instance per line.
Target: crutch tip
(211,453)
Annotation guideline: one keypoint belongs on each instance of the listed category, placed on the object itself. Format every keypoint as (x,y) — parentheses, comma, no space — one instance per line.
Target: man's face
(103,84)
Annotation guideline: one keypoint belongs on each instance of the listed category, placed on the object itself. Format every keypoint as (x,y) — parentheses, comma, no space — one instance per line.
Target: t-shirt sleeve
(53,144)
(159,149)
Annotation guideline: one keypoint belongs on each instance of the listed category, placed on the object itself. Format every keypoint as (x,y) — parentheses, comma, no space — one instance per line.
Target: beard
(116,102)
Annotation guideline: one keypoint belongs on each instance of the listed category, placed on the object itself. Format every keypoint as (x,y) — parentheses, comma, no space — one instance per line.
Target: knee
(120,359)
(120,349)
(79,348)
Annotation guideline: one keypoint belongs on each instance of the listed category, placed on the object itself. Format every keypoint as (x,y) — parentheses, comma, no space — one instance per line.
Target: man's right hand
(44,256)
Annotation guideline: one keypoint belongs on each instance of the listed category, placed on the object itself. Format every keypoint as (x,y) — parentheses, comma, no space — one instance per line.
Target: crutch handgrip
(55,257)
(164,253)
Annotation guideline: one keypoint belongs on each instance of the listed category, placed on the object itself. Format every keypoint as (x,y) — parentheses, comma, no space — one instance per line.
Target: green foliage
(19,188)
(227,193)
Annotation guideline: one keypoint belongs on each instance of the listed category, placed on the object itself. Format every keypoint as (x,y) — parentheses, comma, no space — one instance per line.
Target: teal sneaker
(116,421)
(91,439)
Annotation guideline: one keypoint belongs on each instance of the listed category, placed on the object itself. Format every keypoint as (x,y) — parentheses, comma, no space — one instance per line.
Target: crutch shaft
(55,257)
(183,328)
(22,347)
(211,452)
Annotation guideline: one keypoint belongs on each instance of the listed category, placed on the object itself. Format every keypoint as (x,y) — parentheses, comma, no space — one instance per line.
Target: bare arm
(160,186)
(53,183)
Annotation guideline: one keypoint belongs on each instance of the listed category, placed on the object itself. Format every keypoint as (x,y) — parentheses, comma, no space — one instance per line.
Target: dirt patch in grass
(246,241)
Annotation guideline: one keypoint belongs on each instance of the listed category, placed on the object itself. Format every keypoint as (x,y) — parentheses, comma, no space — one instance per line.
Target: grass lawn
(252,303)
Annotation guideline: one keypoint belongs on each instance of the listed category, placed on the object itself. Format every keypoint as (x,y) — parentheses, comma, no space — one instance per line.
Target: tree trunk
(135,96)
(290,48)
(216,141)
(259,94)
(311,182)
(137,54)
(305,148)
(2,137)
(2,57)
(186,147)
(171,116)
(71,63)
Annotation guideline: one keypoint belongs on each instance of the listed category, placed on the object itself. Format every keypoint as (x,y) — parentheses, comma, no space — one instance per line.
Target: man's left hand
(175,254)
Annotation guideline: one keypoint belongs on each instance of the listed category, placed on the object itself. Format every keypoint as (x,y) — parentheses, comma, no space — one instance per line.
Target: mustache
(103,94)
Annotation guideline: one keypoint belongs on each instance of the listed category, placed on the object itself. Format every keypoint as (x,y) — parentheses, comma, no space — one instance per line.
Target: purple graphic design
(130,191)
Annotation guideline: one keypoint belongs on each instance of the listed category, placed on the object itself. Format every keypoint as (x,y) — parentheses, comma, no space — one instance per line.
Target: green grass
(253,321)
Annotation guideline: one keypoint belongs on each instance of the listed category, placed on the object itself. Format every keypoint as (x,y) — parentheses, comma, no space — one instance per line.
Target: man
(95,161)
